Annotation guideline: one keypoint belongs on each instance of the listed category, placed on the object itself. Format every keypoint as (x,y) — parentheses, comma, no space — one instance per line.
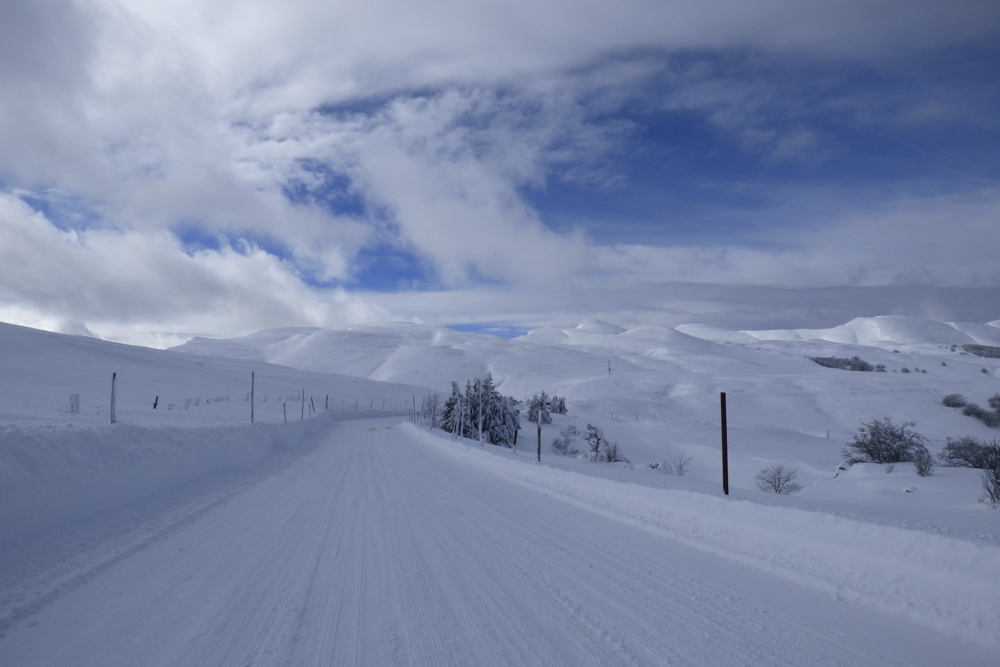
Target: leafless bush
(923,462)
(991,486)
(969,452)
(562,444)
(881,441)
(778,479)
(613,454)
(681,463)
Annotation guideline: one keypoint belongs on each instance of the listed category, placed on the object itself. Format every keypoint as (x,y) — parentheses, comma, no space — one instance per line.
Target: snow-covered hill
(923,544)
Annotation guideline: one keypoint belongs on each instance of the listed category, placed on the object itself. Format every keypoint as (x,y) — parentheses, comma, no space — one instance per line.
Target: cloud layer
(170,168)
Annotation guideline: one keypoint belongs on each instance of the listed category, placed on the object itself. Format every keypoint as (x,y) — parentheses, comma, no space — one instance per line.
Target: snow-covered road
(376,549)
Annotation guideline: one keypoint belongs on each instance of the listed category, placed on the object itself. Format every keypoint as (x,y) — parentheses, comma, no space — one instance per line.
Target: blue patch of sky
(65,212)
(197,237)
(501,329)
(385,268)
(687,178)
(325,187)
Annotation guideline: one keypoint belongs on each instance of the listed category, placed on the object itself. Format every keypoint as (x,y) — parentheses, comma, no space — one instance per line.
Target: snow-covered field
(184,535)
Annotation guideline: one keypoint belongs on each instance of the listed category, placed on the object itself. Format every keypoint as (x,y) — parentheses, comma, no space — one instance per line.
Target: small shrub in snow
(613,454)
(562,444)
(595,439)
(991,486)
(601,449)
(881,441)
(904,369)
(681,463)
(778,479)
(954,401)
(923,462)
(986,372)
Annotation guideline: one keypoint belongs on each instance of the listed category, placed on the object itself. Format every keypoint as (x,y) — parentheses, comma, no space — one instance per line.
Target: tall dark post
(114,377)
(252,378)
(302,402)
(539,435)
(725,446)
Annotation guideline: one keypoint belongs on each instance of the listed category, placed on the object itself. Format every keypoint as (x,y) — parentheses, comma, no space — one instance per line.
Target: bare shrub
(778,479)
(681,463)
(562,444)
(595,439)
(613,454)
(991,486)
(881,441)
(969,452)
(954,401)
(923,462)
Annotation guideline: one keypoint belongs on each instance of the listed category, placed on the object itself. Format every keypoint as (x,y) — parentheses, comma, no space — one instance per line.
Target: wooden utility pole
(725,446)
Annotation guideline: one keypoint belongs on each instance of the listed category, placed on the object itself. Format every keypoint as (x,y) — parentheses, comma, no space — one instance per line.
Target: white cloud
(111,281)
(156,114)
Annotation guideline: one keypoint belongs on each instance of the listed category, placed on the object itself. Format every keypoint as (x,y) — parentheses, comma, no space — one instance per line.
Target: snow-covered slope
(887,330)
(921,544)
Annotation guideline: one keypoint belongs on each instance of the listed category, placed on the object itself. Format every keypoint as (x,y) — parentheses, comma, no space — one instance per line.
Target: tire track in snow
(375,549)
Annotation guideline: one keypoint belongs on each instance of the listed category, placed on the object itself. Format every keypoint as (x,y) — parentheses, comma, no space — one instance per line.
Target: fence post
(252,382)
(114,377)
(302,403)
(725,445)
(539,436)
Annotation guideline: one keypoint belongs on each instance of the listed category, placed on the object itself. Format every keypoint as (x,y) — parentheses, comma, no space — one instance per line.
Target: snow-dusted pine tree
(539,406)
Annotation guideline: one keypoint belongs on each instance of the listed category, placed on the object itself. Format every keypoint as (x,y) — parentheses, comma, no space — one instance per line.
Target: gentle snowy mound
(892,330)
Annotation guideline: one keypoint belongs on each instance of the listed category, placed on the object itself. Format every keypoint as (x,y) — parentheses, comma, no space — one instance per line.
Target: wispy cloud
(268,163)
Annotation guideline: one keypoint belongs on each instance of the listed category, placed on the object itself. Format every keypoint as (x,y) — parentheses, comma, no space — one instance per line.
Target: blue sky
(495,166)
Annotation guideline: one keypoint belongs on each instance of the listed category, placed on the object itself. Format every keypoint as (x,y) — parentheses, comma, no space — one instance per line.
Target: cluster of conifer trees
(481,413)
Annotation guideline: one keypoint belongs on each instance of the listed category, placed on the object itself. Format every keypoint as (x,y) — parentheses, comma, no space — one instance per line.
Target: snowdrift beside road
(51,477)
(950,585)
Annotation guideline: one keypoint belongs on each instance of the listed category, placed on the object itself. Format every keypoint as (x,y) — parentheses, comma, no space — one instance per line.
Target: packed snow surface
(349,535)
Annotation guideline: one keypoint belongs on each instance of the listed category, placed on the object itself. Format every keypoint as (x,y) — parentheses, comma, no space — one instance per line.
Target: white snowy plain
(187,536)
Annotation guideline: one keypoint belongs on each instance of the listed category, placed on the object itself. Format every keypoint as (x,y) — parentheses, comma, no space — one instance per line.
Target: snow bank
(944,583)
(48,477)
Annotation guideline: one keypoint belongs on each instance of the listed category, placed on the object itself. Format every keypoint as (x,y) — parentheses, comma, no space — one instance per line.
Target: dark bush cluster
(989,417)
(852,364)
(881,441)
(982,350)
(954,401)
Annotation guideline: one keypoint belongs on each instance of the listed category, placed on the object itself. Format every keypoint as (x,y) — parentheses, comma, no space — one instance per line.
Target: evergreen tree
(451,414)
(539,406)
